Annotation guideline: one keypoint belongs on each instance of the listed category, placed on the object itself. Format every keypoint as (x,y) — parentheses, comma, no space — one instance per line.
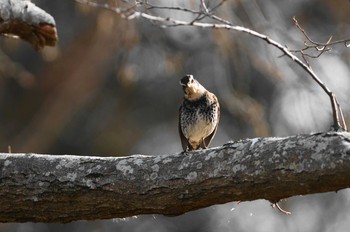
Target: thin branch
(276,205)
(209,12)
(319,47)
(205,8)
(177,8)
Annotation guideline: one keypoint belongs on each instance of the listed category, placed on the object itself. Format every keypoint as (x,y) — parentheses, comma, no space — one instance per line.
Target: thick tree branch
(50,188)
(27,21)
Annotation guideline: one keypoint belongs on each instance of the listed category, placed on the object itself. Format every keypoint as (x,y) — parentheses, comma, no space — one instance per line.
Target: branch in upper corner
(25,20)
(318,47)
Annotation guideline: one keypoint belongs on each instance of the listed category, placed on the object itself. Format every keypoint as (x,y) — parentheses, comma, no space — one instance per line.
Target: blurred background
(110,88)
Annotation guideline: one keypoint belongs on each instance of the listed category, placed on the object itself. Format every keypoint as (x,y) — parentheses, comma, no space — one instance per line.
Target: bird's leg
(203,145)
(190,147)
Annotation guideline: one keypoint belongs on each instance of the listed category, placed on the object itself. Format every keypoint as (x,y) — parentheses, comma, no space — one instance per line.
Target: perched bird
(199,115)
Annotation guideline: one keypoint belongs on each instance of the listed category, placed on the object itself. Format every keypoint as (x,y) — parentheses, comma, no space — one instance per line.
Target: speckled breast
(198,118)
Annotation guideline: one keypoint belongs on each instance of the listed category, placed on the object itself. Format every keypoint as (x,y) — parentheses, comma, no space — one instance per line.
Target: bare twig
(338,121)
(319,47)
(276,205)
(177,8)
(204,6)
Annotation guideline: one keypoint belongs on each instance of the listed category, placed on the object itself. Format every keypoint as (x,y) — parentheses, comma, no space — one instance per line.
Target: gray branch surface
(64,188)
(23,19)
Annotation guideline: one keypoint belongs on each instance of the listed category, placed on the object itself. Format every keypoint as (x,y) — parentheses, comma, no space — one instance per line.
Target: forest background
(110,88)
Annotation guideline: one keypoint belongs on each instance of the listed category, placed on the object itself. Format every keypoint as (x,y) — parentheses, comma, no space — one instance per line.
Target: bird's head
(192,88)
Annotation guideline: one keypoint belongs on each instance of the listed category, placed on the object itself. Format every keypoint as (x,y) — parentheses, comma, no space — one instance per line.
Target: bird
(199,115)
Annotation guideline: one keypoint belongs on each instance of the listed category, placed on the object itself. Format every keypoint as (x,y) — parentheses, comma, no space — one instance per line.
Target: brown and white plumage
(199,115)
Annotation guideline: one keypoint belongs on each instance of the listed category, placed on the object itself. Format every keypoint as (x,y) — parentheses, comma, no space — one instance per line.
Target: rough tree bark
(52,188)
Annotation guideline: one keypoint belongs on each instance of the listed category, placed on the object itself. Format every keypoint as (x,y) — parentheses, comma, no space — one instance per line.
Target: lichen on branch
(88,188)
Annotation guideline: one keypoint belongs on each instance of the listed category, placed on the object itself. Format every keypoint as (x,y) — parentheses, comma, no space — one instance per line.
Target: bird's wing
(184,141)
(208,139)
